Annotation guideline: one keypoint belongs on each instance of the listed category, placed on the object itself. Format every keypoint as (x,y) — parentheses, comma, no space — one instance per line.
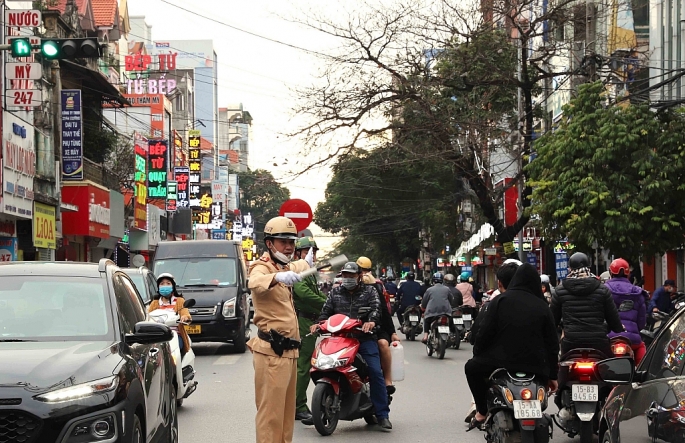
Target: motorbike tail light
(541,394)
(526,394)
(584,369)
(528,422)
(620,349)
(509,396)
(443,320)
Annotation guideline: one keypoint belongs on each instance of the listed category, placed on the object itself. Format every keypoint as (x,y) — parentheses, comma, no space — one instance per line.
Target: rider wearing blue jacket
(407,294)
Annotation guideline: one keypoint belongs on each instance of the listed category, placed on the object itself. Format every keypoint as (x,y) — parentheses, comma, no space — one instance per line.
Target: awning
(95,81)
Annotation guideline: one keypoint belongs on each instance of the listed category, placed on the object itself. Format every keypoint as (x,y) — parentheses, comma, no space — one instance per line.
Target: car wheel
(137,436)
(173,418)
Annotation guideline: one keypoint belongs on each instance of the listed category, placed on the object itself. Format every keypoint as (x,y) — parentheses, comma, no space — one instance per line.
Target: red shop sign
(93,216)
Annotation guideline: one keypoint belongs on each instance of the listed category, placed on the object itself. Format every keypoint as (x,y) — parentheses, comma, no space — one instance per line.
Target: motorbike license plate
(527,409)
(194,329)
(585,393)
(458,321)
(413,318)
(444,329)
(466,317)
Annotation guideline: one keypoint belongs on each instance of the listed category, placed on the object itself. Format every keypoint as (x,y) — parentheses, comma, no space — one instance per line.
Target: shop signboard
(140,203)
(95,221)
(19,167)
(561,259)
(72,135)
(44,235)
(171,196)
(8,249)
(158,154)
(195,177)
(182,178)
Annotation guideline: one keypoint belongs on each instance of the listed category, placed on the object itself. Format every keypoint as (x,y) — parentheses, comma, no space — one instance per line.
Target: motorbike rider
(170,299)
(516,333)
(407,295)
(309,300)
(662,299)
(386,333)
(630,301)
(347,299)
(450,282)
(585,307)
(437,301)
(466,290)
(390,286)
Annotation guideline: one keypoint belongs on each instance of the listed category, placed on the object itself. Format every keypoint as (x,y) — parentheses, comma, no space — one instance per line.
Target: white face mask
(349,283)
(281,257)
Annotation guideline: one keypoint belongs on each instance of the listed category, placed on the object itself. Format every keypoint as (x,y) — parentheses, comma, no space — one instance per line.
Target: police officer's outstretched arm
(611,313)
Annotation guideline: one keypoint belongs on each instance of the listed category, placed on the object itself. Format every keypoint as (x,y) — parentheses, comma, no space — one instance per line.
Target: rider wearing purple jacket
(630,302)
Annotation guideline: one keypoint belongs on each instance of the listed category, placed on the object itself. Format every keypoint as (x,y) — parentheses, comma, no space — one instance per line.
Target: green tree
(612,174)
(262,196)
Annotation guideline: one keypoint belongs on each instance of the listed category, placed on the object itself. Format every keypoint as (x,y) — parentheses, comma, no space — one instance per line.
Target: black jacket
(342,301)
(386,324)
(517,330)
(587,310)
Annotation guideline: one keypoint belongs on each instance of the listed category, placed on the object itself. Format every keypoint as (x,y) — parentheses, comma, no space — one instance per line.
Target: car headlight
(80,391)
(229,308)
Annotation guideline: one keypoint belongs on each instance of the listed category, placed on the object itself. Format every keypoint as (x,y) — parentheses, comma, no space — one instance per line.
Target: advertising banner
(140,202)
(182,177)
(561,264)
(72,135)
(93,222)
(8,249)
(44,226)
(171,196)
(158,153)
(19,167)
(195,178)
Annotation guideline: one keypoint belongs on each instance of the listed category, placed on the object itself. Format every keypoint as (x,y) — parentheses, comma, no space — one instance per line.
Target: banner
(561,265)
(72,135)
(140,202)
(195,177)
(158,154)
(171,196)
(8,249)
(181,175)
(44,226)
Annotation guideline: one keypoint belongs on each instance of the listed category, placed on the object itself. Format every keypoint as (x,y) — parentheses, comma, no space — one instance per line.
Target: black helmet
(411,276)
(578,260)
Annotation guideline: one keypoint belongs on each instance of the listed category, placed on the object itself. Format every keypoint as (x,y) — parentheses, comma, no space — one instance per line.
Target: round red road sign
(298,211)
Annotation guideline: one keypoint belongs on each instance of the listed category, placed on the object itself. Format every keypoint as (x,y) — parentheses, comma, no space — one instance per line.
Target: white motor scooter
(185,373)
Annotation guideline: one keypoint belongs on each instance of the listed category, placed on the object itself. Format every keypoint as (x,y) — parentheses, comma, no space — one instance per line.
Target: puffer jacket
(587,309)
(342,301)
(438,300)
(634,319)
(466,290)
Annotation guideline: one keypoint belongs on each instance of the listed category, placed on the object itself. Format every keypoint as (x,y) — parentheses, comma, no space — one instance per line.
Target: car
(145,282)
(213,272)
(652,407)
(81,360)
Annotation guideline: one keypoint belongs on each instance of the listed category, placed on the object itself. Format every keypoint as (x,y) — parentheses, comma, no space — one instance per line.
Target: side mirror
(146,333)
(618,371)
(189,303)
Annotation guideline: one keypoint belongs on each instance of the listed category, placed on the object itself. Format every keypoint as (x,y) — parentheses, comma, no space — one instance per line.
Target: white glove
(310,258)
(288,278)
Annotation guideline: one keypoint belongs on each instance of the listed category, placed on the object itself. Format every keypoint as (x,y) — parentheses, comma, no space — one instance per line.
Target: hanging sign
(195,177)
(158,151)
(181,175)
(171,196)
(140,202)
(72,135)
(44,226)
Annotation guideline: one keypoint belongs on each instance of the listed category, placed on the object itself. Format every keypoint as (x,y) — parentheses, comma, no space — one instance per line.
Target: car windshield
(138,280)
(54,308)
(203,271)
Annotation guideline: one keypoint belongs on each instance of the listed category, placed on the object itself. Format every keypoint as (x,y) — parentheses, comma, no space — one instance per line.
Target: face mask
(280,257)
(165,291)
(349,283)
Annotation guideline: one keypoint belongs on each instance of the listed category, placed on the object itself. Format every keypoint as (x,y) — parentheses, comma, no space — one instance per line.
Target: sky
(257,72)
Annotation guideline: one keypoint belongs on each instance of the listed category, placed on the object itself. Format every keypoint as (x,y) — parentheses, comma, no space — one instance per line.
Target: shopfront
(85,229)
(8,239)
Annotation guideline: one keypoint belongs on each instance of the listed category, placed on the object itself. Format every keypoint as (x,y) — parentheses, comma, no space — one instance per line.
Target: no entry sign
(298,211)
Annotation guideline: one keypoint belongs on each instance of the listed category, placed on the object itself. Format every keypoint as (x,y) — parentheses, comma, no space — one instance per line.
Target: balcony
(98,174)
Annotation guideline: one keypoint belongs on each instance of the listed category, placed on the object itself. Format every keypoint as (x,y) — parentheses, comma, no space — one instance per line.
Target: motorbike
(340,376)
(185,372)
(412,326)
(467,313)
(660,318)
(459,332)
(516,404)
(438,337)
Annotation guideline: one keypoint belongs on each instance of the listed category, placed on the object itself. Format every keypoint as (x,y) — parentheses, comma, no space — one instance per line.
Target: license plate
(414,323)
(585,393)
(413,318)
(458,321)
(466,317)
(527,409)
(444,329)
(194,329)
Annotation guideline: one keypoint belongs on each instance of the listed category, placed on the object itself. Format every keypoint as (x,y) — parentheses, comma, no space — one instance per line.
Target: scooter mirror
(189,303)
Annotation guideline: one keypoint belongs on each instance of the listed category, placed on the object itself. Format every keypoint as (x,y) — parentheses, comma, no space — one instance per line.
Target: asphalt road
(429,406)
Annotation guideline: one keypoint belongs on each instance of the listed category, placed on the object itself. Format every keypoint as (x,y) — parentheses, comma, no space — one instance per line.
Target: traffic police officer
(308,303)
(275,349)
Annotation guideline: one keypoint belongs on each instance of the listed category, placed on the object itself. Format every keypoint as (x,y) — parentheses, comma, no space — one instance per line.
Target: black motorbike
(438,337)
(656,320)
(468,314)
(516,405)
(411,324)
(459,332)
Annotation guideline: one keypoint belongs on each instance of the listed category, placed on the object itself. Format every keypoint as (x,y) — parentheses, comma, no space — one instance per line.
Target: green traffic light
(21,47)
(50,49)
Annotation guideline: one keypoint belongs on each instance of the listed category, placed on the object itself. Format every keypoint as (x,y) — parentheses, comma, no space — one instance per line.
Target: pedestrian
(275,349)
(308,303)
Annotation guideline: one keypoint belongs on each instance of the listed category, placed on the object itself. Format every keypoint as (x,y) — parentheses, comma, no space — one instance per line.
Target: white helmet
(544,278)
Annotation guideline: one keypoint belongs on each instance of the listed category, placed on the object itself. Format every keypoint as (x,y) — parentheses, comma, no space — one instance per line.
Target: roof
(67,269)
(104,12)
(61,6)
(205,145)
(94,80)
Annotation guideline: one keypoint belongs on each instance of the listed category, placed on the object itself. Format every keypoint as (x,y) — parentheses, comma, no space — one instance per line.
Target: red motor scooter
(340,376)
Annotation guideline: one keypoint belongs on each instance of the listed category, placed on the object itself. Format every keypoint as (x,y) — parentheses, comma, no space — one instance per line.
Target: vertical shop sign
(158,153)
(561,265)
(140,202)
(8,249)
(72,135)
(195,168)
(171,196)
(181,175)
(44,226)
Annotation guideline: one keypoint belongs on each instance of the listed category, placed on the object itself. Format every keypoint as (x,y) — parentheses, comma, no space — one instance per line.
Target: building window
(180,103)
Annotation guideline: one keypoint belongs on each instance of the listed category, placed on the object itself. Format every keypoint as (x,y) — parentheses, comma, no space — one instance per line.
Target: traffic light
(68,48)
(21,47)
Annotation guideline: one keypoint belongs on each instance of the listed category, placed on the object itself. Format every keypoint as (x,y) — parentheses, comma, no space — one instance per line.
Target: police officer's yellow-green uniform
(308,302)
(275,376)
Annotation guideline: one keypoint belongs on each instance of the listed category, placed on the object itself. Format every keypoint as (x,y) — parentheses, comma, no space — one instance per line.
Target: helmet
(578,260)
(512,260)
(605,276)
(619,265)
(544,278)
(411,276)
(280,227)
(350,266)
(450,279)
(167,276)
(364,262)
(465,276)
(437,277)
(305,243)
